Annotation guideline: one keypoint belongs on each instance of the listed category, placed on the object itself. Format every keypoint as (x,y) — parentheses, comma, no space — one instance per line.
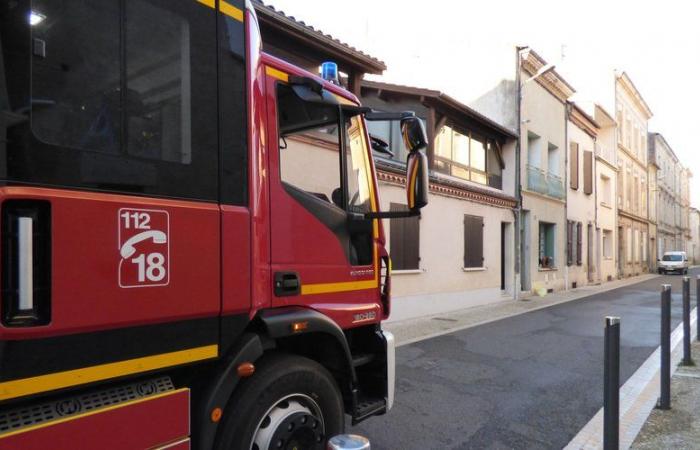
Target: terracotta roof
(443,99)
(268,14)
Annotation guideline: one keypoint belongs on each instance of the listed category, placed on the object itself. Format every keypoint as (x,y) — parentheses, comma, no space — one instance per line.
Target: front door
(324,253)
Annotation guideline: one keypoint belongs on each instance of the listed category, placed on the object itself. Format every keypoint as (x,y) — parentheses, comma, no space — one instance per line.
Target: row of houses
(529,191)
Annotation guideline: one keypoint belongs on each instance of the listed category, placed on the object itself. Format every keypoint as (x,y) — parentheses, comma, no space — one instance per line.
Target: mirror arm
(392,214)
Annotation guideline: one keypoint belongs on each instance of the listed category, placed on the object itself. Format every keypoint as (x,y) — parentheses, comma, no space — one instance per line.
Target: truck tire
(290,402)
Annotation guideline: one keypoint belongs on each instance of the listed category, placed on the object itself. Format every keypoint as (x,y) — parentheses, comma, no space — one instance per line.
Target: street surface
(526,382)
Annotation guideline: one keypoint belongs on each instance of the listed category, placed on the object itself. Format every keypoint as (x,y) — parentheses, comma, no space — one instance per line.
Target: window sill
(407,272)
(474,269)
(608,258)
(605,205)
(547,269)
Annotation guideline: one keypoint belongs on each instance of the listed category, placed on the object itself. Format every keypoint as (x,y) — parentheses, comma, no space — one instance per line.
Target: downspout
(518,211)
(567,112)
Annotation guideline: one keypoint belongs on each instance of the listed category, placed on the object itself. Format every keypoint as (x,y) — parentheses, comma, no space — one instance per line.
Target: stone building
(632,115)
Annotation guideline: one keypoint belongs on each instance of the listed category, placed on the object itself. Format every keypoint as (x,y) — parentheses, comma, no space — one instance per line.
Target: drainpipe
(518,212)
(567,112)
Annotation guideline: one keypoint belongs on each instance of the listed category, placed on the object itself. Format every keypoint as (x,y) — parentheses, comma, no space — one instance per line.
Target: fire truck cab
(191,250)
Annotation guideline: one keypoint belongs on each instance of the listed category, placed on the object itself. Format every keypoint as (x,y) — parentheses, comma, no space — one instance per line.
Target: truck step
(367,407)
(361,359)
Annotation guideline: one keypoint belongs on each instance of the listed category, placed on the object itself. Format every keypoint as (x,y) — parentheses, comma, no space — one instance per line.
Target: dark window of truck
(123,97)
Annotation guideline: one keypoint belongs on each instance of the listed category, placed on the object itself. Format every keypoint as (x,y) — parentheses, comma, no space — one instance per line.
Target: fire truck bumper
(390,367)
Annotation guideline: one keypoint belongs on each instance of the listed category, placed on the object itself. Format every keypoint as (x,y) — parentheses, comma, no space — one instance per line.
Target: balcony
(544,183)
(555,186)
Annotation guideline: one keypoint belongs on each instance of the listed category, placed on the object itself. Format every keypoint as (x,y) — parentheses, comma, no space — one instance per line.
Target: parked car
(674,262)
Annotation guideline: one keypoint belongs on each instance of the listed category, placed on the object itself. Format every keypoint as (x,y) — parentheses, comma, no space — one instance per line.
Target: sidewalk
(678,428)
(414,330)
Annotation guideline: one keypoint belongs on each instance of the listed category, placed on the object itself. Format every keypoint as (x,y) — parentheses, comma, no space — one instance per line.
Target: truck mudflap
(156,420)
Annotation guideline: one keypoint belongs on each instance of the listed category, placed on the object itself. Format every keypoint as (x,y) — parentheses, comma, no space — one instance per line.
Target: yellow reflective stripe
(346,286)
(231,10)
(225,8)
(59,380)
(92,412)
(271,71)
(412,186)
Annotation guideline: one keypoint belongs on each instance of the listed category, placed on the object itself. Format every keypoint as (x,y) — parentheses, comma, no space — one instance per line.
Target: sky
(465,48)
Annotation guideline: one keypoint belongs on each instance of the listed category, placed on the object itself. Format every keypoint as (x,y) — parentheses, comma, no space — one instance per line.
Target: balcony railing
(544,183)
(555,186)
(606,153)
(536,179)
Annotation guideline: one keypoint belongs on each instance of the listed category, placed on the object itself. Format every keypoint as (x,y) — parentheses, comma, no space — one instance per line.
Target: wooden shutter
(573,164)
(587,172)
(404,240)
(569,242)
(579,243)
(473,241)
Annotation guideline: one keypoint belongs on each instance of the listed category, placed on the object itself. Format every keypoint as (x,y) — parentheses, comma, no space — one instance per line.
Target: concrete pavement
(531,380)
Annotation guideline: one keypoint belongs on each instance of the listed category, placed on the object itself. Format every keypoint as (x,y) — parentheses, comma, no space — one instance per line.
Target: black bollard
(611,388)
(687,357)
(665,398)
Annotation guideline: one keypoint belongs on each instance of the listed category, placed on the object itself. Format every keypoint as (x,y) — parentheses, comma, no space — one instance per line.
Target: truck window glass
(120,96)
(309,141)
(357,167)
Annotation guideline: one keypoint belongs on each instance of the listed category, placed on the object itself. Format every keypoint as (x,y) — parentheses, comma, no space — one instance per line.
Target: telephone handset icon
(128,248)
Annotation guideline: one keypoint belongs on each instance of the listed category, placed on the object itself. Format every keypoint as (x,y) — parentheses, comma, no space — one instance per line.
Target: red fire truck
(191,250)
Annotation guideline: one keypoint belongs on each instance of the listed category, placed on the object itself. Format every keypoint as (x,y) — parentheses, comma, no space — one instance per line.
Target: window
(358,171)
(473,241)
(404,240)
(129,108)
(462,154)
(606,192)
(636,246)
(390,132)
(643,244)
(607,244)
(553,159)
(574,243)
(546,245)
(573,165)
(588,172)
(628,245)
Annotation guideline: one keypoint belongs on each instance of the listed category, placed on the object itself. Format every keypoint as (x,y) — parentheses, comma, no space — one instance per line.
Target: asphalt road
(527,382)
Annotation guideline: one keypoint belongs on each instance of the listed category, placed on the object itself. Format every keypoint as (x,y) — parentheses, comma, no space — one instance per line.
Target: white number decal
(150,267)
(141,220)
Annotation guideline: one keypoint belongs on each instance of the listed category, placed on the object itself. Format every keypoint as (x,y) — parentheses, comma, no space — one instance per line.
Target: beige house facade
(694,250)
(581,226)
(543,172)
(606,189)
(632,115)
(460,252)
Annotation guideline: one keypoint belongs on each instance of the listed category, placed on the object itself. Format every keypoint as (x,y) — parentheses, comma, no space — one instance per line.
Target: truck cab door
(323,250)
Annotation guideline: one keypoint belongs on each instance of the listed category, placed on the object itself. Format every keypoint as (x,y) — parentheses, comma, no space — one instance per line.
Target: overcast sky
(466,48)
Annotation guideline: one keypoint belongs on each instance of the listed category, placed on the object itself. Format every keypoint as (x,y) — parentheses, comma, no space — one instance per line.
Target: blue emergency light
(329,72)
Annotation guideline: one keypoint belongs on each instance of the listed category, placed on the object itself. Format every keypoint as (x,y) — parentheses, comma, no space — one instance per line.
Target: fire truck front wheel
(291,402)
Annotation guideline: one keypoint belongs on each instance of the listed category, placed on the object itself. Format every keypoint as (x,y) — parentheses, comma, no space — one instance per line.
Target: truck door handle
(287,283)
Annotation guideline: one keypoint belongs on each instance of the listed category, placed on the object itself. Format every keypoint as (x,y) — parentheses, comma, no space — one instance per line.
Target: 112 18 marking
(143,248)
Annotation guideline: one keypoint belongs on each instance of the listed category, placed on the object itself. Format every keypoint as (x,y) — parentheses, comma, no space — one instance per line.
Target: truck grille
(21,417)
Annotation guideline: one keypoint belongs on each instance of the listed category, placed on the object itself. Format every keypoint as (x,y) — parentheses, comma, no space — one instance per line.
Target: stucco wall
(441,284)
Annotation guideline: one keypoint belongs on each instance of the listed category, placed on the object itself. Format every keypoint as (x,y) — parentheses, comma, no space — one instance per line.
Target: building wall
(441,284)
(580,207)
(543,115)
(694,254)
(632,178)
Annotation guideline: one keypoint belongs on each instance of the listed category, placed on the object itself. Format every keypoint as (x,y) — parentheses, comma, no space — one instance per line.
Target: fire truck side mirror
(413,132)
(416,180)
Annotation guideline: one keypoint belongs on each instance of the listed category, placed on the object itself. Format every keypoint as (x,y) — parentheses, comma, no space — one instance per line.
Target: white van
(674,262)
